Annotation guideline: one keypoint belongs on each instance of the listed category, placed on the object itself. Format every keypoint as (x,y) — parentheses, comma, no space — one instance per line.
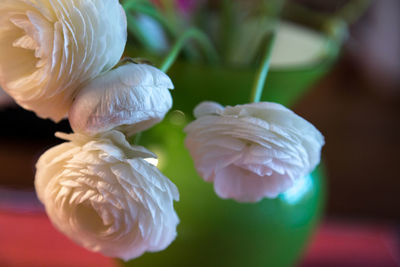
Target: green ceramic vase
(217,232)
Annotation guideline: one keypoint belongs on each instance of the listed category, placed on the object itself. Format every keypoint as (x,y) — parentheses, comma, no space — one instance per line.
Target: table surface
(27,238)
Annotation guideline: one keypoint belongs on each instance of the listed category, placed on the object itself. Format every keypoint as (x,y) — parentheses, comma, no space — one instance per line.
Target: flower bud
(130,98)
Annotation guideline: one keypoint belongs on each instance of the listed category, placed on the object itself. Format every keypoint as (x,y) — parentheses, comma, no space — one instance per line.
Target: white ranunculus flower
(130,98)
(48,49)
(252,151)
(104,195)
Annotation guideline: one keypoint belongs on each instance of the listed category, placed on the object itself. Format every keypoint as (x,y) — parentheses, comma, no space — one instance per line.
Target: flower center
(88,218)
(27,41)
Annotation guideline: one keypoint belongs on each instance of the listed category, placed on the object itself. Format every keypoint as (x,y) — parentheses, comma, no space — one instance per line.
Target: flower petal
(131,98)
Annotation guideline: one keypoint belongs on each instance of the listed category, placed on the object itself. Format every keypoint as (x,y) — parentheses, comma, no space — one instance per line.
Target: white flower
(252,151)
(48,49)
(130,98)
(105,196)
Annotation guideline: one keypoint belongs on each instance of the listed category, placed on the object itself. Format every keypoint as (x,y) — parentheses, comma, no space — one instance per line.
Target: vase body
(217,232)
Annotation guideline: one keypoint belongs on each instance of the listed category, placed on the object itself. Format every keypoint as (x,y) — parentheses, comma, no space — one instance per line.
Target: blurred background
(356,106)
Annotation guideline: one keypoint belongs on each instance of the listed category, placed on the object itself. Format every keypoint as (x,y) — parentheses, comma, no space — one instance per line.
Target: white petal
(131,98)
(207,108)
(244,186)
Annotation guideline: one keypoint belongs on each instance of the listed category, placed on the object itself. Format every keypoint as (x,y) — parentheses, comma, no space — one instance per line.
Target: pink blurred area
(351,243)
(29,240)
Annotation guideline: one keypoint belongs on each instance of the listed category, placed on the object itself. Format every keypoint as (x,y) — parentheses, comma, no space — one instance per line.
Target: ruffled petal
(131,98)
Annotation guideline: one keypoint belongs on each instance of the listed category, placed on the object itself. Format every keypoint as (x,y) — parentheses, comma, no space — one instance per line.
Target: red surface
(354,244)
(29,239)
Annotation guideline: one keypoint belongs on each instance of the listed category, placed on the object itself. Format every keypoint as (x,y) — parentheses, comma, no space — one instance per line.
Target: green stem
(199,36)
(127,4)
(262,72)
(149,10)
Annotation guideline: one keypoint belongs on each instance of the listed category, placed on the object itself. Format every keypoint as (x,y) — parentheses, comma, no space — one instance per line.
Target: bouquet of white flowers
(62,59)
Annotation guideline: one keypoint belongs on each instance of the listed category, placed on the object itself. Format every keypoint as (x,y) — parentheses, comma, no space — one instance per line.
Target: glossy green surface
(217,232)
(196,83)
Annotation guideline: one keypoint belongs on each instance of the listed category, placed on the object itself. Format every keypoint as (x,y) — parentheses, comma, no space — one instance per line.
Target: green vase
(217,232)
